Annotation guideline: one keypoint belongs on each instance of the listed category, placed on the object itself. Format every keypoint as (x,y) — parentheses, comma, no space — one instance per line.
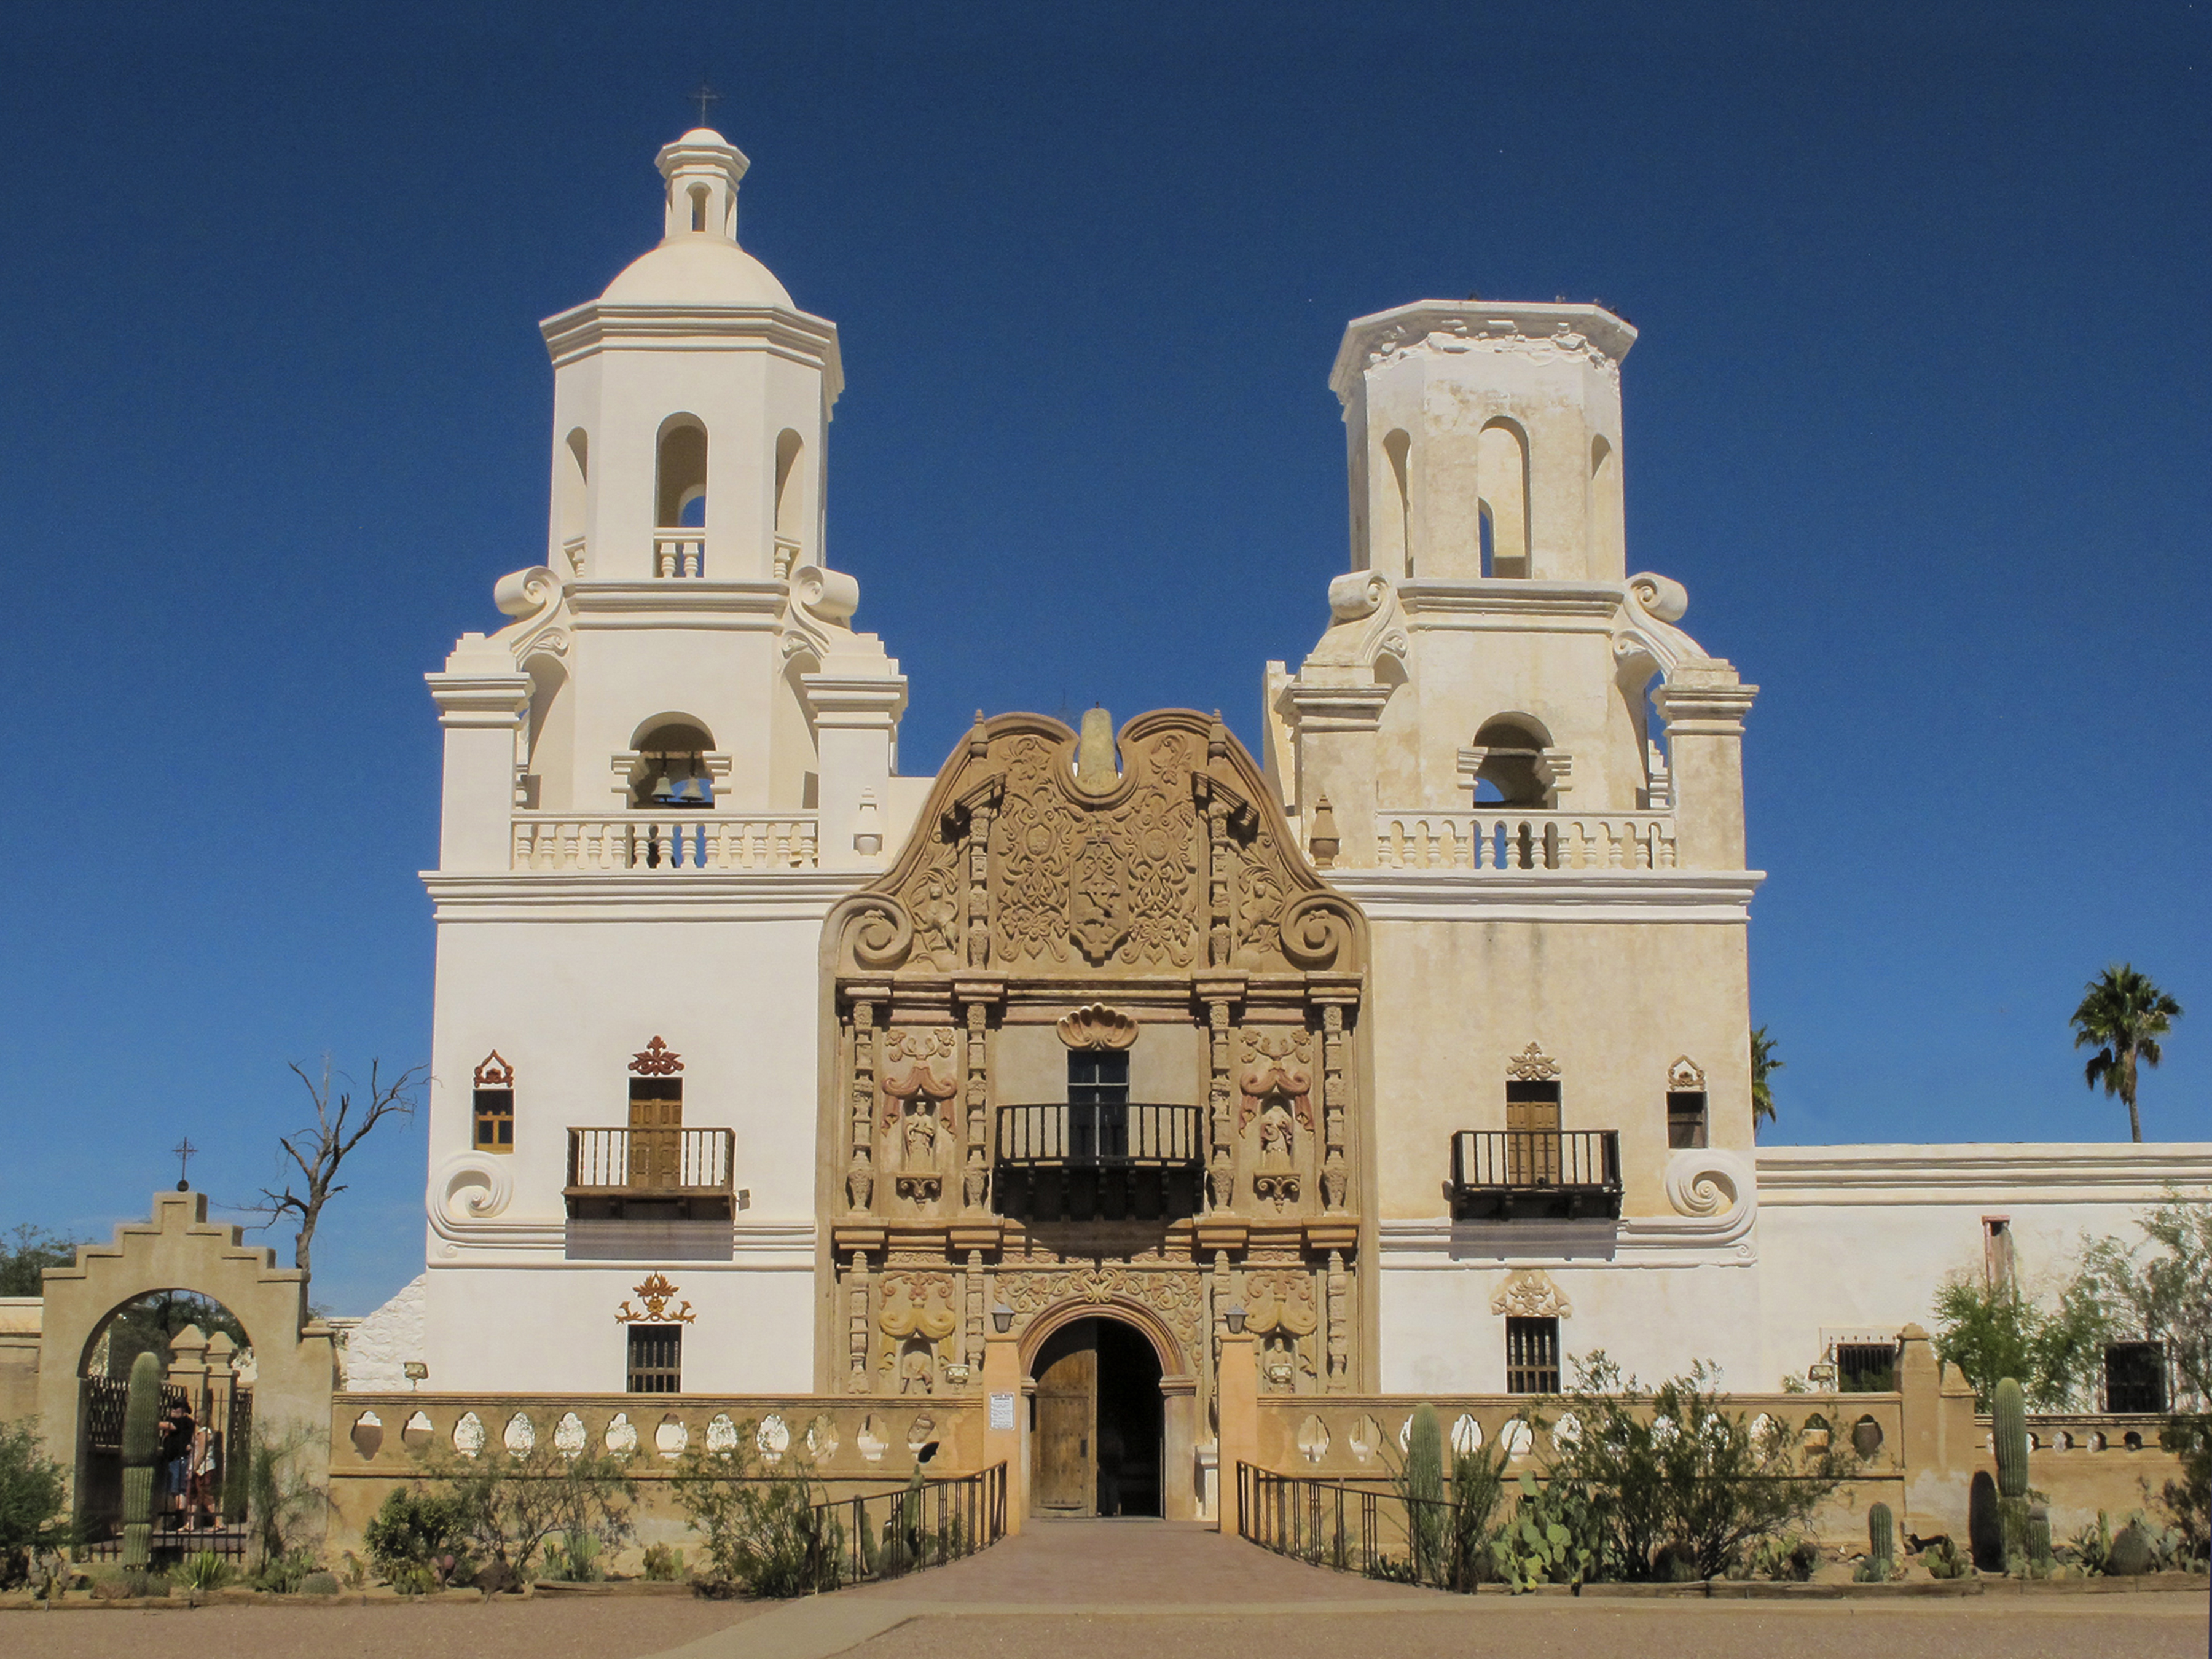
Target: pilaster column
(482,702)
(1704,707)
(855,722)
(1336,745)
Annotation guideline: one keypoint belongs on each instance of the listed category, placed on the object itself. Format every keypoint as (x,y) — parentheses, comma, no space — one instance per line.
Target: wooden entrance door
(656,1131)
(1064,1437)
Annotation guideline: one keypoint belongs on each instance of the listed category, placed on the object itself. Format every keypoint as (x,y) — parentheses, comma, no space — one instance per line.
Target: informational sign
(1002,1410)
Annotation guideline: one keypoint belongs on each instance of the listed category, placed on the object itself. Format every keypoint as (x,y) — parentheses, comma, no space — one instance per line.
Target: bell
(663,792)
(692,792)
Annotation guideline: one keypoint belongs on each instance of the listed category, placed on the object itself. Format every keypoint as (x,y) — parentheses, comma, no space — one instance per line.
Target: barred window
(1532,1356)
(2134,1376)
(656,1359)
(1866,1367)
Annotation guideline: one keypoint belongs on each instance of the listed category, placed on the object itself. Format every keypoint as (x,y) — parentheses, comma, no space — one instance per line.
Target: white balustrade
(675,841)
(679,552)
(1502,839)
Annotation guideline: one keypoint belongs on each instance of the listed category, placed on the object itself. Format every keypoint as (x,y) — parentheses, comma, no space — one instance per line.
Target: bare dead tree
(317,1152)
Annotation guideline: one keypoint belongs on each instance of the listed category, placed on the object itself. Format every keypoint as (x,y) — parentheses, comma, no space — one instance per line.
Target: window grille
(1866,1367)
(656,1359)
(1532,1356)
(1685,1119)
(2134,1376)
(495,1118)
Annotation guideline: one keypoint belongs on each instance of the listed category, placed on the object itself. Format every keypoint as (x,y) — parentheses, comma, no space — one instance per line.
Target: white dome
(696,270)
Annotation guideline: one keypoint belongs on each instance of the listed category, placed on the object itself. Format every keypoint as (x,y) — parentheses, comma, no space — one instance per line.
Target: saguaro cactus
(141,1445)
(2009,1418)
(1882,1535)
(1424,1490)
(2008,1423)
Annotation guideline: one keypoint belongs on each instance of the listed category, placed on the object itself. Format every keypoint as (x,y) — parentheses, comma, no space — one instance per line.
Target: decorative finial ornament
(704,96)
(656,1059)
(660,1299)
(493,1073)
(183,1152)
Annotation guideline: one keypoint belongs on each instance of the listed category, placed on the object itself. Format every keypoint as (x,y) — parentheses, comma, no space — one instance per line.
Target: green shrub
(1787,1559)
(410,1530)
(207,1572)
(2187,1502)
(282,1575)
(1676,1466)
(33,1503)
(663,1565)
(318,1583)
(1478,1487)
(508,1506)
(573,1558)
(762,1533)
(2092,1546)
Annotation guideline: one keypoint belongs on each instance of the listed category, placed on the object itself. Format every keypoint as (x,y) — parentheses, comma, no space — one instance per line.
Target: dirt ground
(585,1627)
(2175,1627)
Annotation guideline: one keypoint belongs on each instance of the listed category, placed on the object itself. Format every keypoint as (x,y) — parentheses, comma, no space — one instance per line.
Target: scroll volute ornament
(1097,1027)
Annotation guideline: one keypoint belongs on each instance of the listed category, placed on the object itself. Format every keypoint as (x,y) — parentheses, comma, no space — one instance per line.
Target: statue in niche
(1282,1313)
(1276,1180)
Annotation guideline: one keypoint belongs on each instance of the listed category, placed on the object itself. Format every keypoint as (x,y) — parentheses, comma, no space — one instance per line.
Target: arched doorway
(205,1361)
(1097,1422)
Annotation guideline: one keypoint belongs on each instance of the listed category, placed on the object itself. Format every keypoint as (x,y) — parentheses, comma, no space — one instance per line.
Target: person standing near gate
(177,1433)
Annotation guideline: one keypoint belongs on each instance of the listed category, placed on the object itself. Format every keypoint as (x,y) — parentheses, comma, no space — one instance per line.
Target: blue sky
(1918,414)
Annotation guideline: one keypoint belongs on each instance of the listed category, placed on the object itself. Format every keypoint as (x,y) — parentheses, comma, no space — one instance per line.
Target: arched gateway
(1096,1092)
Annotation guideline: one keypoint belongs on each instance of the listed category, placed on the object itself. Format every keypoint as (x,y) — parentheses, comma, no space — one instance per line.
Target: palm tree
(2122,1014)
(1763,1066)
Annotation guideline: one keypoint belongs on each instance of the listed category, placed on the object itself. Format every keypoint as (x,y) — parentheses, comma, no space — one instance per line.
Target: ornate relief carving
(1278,1062)
(917,1317)
(1686,1076)
(1454,334)
(1530,1294)
(1176,1298)
(493,1073)
(1185,847)
(1533,1065)
(656,1059)
(1097,1027)
(657,1293)
(919,1075)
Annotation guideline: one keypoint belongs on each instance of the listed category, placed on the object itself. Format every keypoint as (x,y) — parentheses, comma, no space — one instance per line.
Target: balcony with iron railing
(1103,1161)
(1509,1175)
(672,1174)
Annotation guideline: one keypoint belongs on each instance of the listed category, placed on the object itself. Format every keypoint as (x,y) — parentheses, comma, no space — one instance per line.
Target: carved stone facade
(1063,898)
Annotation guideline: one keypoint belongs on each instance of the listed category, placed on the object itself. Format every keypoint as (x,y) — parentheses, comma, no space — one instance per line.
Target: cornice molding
(1597,896)
(1505,602)
(1588,334)
(798,336)
(1631,1242)
(640,894)
(2055,1172)
(678,602)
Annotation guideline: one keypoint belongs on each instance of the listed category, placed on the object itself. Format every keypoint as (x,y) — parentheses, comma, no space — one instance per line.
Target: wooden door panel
(1064,1455)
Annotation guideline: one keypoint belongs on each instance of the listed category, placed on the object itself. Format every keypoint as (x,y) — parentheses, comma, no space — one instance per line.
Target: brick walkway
(1124,1564)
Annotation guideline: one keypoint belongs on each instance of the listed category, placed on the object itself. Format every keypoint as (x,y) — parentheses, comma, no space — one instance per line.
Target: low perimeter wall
(1922,1445)
(380,1442)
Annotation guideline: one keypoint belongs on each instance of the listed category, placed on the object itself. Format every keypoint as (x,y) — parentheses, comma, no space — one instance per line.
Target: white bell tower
(686,626)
